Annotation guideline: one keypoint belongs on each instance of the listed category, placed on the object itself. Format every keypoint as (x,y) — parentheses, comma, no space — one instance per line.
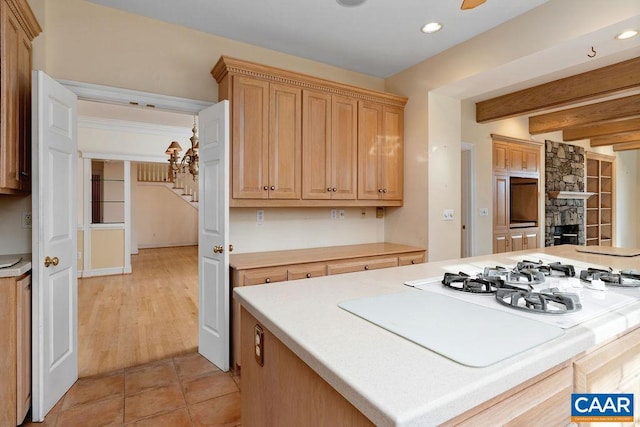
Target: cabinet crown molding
(25,16)
(227,65)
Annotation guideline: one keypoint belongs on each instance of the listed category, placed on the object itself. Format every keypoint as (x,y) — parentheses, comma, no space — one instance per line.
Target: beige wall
(90,43)
(162,219)
(107,248)
(13,238)
(81,250)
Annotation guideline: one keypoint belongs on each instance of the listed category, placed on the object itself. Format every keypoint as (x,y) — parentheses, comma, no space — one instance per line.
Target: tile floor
(182,391)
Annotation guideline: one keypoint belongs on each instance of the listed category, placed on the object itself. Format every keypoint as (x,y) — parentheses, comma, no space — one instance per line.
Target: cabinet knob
(265,188)
(24,174)
(366,267)
(379,190)
(413,261)
(51,261)
(267,280)
(273,187)
(384,190)
(328,188)
(334,189)
(308,275)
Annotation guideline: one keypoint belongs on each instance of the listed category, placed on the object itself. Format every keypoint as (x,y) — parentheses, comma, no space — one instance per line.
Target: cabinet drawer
(261,276)
(408,259)
(362,265)
(306,271)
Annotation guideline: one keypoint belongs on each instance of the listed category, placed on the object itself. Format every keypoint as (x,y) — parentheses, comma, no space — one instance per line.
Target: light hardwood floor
(151,314)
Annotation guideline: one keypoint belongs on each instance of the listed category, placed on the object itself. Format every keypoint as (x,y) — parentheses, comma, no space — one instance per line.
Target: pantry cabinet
(302,141)
(329,146)
(15,349)
(18,27)
(516,194)
(261,268)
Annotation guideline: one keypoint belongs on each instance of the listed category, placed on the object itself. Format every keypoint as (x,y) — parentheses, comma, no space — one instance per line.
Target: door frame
(468,216)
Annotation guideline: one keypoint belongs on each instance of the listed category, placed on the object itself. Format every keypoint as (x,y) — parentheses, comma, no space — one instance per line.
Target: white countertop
(390,379)
(19,269)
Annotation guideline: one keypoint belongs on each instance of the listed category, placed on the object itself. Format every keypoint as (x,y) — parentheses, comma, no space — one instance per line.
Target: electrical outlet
(334,214)
(379,212)
(341,214)
(447,215)
(260,216)
(79,255)
(259,345)
(484,211)
(26,220)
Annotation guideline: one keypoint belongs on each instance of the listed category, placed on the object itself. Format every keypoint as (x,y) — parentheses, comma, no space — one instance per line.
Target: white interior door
(213,237)
(54,246)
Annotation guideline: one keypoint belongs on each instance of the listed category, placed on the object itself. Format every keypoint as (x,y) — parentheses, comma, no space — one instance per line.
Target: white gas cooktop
(594,302)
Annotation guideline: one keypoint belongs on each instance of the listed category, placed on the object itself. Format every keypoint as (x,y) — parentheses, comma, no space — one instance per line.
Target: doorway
(467,192)
(150,314)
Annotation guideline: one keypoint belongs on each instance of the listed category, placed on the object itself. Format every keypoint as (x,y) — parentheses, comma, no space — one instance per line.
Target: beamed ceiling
(606,115)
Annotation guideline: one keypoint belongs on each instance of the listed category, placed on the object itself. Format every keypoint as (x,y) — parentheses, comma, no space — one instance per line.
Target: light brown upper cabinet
(329,146)
(301,141)
(266,140)
(18,27)
(515,158)
(380,151)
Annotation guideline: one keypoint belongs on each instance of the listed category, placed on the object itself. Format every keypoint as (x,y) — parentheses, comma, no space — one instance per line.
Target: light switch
(484,211)
(447,215)
(341,214)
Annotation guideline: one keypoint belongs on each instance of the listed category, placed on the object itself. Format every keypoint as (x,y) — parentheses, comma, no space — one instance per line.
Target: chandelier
(190,160)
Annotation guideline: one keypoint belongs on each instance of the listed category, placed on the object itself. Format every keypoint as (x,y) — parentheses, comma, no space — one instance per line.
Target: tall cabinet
(516,194)
(18,27)
(600,206)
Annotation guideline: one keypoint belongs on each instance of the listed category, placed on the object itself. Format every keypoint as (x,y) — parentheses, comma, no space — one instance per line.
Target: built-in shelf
(570,194)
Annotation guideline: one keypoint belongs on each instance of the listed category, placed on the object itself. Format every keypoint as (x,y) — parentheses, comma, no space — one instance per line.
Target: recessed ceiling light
(627,34)
(431,27)
(350,3)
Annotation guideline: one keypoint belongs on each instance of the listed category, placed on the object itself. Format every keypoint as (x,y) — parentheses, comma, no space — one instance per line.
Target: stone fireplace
(564,171)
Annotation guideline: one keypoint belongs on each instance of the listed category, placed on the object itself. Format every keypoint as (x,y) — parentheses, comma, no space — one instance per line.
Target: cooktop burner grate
(625,278)
(549,301)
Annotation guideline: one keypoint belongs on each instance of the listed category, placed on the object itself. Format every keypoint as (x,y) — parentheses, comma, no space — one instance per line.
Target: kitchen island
(325,366)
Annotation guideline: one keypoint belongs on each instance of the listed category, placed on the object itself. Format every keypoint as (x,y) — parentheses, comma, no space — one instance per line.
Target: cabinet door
(531,239)
(391,153)
(285,142)
(530,160)
(250,138)
(10,101)
(516,241)
(516,156)
(23,383)
(500,243)
(500,203)
(369,144)
(500,157)
(316,145)
(344,147)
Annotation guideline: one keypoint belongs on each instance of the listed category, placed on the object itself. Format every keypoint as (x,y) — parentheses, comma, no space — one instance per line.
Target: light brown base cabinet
(15,349)
(260,268)
(545,400)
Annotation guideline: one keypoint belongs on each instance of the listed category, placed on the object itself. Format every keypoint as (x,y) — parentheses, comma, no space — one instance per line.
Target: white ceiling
(379,38)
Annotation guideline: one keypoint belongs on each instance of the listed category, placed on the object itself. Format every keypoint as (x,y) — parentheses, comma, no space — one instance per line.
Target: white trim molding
(146,158)
(115,125)
(94,92)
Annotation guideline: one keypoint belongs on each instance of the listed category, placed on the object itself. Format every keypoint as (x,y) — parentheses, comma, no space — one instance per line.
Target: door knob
(217,249)
(51,261)
(230,248)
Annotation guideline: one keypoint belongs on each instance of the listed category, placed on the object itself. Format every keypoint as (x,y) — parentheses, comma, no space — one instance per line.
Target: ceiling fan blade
(470,4)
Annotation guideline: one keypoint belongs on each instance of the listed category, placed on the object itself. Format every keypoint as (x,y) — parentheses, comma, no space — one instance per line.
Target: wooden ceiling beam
(581,87)
(615,139)
(626,146)
(603,129)
(585,115)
